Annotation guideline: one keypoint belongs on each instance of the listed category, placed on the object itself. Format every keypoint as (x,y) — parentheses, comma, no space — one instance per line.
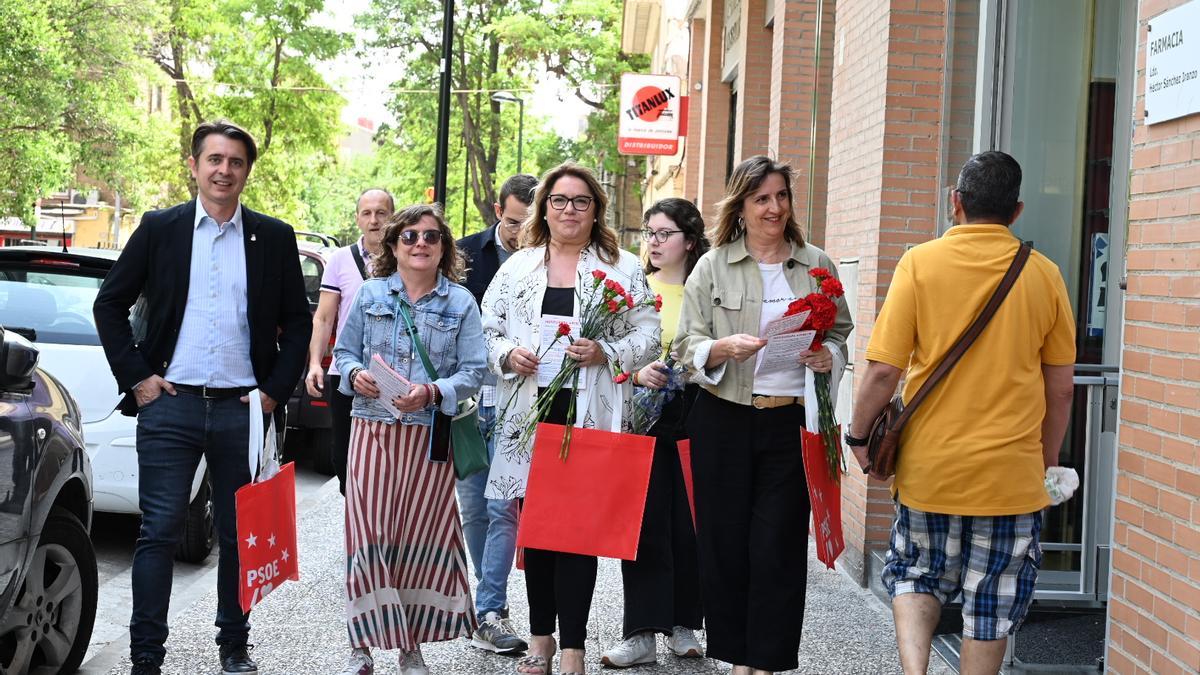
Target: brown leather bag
(883,443)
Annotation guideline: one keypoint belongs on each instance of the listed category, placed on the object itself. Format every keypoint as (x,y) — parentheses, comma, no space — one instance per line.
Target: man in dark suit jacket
(221,312)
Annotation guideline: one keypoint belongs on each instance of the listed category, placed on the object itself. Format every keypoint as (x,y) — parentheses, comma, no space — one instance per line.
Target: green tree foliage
(258,58)
(70,96)
(579,41)
(497,46)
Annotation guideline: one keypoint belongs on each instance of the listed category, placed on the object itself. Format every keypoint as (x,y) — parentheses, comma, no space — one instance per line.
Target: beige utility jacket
(723,297)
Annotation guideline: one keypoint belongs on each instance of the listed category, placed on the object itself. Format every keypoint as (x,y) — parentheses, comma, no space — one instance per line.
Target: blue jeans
(173,432)
(490,528)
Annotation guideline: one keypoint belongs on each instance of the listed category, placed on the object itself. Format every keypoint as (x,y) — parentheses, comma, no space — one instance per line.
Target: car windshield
(55,304)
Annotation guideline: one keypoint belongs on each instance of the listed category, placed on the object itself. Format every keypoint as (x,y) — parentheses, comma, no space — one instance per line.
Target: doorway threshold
(1055,641)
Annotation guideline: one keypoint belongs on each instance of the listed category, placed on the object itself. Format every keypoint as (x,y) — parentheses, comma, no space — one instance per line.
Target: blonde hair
(747,177)
(536,231)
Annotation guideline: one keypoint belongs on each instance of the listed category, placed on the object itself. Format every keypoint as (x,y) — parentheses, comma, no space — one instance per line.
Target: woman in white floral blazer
(564,241)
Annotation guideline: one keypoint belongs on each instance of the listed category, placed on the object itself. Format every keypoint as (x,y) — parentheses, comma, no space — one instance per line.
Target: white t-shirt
(777,295)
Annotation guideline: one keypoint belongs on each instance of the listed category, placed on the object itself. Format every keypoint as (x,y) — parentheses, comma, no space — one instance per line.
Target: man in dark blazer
(221,312)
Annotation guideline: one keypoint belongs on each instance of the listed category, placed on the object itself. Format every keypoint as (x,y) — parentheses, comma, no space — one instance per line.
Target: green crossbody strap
(402,309)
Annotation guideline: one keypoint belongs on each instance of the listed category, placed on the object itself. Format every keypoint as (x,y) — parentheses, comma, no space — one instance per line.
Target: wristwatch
(855,442)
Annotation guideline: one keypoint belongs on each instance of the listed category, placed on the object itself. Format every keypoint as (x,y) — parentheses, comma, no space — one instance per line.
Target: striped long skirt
(406,569)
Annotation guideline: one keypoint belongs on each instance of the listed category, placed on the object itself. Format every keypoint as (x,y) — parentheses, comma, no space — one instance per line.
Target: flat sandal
(533,661)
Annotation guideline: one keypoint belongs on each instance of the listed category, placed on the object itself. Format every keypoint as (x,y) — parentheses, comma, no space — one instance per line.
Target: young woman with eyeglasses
(565,240)
(399,504)
(662,587)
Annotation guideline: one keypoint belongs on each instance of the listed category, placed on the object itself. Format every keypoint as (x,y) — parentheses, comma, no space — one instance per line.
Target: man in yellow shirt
(969,480)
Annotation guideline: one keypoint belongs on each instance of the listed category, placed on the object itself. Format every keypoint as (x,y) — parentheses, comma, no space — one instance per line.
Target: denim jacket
(447,321)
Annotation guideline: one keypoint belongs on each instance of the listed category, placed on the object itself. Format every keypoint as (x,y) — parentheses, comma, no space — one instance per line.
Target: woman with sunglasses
(564,241)
(399,502)
(662,587)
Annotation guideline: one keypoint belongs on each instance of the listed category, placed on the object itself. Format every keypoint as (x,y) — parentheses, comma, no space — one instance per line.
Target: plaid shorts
(992,560)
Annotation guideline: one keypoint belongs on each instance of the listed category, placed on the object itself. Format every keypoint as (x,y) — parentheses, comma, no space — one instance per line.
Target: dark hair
(687,218)
(362,194)
(746,179)
(228,130)
(536,231)
(989,187)
(452,264)
(520,186)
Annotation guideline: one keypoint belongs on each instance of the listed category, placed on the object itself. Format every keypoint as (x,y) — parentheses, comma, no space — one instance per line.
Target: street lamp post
(508,97)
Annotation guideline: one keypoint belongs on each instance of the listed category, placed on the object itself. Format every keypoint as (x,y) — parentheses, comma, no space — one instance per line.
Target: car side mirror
(18,359)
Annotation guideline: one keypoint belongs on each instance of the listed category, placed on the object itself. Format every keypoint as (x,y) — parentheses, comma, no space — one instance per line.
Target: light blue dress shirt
(214,339)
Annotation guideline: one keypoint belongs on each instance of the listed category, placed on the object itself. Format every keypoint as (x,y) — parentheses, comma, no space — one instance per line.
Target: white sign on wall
(1173,64)
(651,110)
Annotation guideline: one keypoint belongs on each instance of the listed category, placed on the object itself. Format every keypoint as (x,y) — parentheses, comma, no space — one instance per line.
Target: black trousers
(558,585)
(662,587)
(339,419)
(752,513)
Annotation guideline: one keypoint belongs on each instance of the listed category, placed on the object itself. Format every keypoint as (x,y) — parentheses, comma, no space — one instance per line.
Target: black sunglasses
(431,237)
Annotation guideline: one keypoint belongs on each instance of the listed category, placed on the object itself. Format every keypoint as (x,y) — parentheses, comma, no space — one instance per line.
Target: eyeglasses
(559,202)
(660,236)
(511,227)
(431,237)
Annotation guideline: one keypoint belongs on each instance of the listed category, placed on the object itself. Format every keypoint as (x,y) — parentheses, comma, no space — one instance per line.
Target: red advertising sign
(652,112)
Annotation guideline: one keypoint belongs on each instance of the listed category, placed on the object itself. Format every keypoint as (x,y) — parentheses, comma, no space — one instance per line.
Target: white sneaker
(412,663)
(359,663)
(637,649)
(683,643)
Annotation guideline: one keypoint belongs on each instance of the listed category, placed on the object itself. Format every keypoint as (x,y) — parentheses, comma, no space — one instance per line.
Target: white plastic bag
(1061,483)
(263,455)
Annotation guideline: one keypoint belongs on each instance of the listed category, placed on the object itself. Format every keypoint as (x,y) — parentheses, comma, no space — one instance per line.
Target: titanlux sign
(1173,64)
(650,115)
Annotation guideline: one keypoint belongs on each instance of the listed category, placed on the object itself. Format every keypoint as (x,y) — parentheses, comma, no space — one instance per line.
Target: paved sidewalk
(299,629)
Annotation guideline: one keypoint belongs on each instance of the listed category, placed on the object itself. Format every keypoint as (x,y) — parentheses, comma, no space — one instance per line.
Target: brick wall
(691,158)
(799,81)
(713,140)
(1154,602)
(884,132)
(753,82)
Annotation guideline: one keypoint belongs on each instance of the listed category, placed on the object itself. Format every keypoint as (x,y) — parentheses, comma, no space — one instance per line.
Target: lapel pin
(254,237)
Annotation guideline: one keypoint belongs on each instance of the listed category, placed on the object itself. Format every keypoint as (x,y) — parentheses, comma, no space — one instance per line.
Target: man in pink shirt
(345,272)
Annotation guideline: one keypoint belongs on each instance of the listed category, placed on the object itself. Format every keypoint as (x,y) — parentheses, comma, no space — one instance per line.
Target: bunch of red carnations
(822,310)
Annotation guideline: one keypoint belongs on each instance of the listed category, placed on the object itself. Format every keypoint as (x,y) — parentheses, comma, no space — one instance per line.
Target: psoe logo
(650,103)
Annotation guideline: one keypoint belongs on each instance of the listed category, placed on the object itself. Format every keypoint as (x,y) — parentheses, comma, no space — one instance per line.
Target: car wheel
(320,446)
(198,531)
(48,628)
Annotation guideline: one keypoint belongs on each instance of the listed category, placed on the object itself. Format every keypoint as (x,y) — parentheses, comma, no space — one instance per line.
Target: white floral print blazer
(512,310)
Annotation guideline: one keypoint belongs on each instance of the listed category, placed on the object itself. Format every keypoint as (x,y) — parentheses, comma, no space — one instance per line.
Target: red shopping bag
(825,495)
(266,527)
(685,463)
(266,515)
(593,502)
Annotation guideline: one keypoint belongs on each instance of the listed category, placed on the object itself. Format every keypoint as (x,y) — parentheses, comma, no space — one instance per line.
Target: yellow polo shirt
(974,447)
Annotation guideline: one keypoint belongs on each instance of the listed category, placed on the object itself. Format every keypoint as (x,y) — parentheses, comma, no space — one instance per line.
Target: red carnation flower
(824,312)
(620,378)
(796,307)
(832,287)
(598,275)
(658,303)
(613,307)
(629,300)
(564,328)
(819,273)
